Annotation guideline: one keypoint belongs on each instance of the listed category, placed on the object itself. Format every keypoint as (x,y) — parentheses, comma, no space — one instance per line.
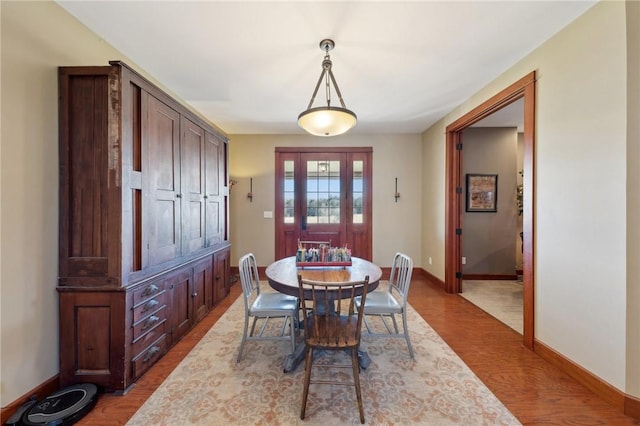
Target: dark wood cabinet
(150,305)
(144,240)
(93,336)
(202,287)
(216,206)
(192,188)
(161,179)
(222,275)
(181,316)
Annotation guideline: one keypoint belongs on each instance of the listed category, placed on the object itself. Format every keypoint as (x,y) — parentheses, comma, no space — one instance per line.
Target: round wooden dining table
(283,274)
(283,277)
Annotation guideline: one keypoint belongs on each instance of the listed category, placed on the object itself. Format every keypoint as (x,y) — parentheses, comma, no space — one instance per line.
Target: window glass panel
(312,207)
(312,184)
(312,199)
(289,186)
(358,185)
(334,184)
(323,183)
(334,215)
(358,191)
(288,215)
(323,192)
(289,192)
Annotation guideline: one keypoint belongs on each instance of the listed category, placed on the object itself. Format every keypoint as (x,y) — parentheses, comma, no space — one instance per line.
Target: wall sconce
(231,183)
(397,194)
(250,194)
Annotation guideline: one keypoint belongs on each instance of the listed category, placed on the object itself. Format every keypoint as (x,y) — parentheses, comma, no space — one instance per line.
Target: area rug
(209,388)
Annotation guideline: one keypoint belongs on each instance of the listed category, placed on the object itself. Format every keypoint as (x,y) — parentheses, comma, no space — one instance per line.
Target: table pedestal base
(292,361)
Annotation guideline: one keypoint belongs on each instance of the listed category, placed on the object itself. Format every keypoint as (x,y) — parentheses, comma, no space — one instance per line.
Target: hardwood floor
(534,391)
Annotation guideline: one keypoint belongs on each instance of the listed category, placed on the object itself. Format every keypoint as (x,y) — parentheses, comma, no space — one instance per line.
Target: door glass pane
(358,191)
(323,192)
(289,192)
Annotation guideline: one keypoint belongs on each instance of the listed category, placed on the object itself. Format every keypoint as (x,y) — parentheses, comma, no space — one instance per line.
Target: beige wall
(587,304)
(37,37)
(581,209)
(433,200)
(396,226)
(488,239)
(633,198)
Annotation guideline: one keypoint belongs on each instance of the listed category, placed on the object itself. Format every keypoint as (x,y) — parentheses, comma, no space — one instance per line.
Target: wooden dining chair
(265,306)
(332,323)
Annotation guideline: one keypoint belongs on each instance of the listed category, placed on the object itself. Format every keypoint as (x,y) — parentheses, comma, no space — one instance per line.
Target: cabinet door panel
(181,304)
(221,275)
(202,287)
(214,182)
(161,149)
(92,339)
(192,180)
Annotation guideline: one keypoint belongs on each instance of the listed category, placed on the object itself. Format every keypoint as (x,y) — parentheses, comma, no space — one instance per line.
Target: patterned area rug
(209,388)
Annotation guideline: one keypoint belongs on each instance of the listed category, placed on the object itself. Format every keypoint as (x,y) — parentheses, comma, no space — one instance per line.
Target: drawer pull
(194,295)
(217,277)
(152,352)
(152,289)
(150,321)
(150,305)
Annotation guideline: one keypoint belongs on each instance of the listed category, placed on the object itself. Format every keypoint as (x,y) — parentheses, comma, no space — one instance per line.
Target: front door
(323,195)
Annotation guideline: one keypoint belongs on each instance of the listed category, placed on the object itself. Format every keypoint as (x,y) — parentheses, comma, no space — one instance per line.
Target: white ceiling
(510,116)
(251,67)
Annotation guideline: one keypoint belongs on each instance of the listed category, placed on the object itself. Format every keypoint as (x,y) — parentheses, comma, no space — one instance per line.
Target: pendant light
(327,120)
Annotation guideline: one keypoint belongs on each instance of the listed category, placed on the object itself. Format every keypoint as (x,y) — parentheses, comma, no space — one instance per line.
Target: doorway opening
(522,89)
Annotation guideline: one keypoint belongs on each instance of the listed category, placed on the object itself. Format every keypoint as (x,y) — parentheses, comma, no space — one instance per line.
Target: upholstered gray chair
(261,305)
(391,300)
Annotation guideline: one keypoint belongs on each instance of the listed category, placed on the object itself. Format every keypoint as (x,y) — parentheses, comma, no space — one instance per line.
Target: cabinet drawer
(148,306)
(146,359)
(149,323)
(146,291)
(142,342)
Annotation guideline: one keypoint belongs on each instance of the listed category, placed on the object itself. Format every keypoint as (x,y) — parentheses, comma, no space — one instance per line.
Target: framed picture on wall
(482,193)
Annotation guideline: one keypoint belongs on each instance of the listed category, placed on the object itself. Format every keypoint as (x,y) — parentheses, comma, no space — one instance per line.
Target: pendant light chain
(326,69)
(327,81)
(327,120)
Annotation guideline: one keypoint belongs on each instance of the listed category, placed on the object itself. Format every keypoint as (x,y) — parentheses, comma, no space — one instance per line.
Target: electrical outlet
(430,260)
(464,260)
